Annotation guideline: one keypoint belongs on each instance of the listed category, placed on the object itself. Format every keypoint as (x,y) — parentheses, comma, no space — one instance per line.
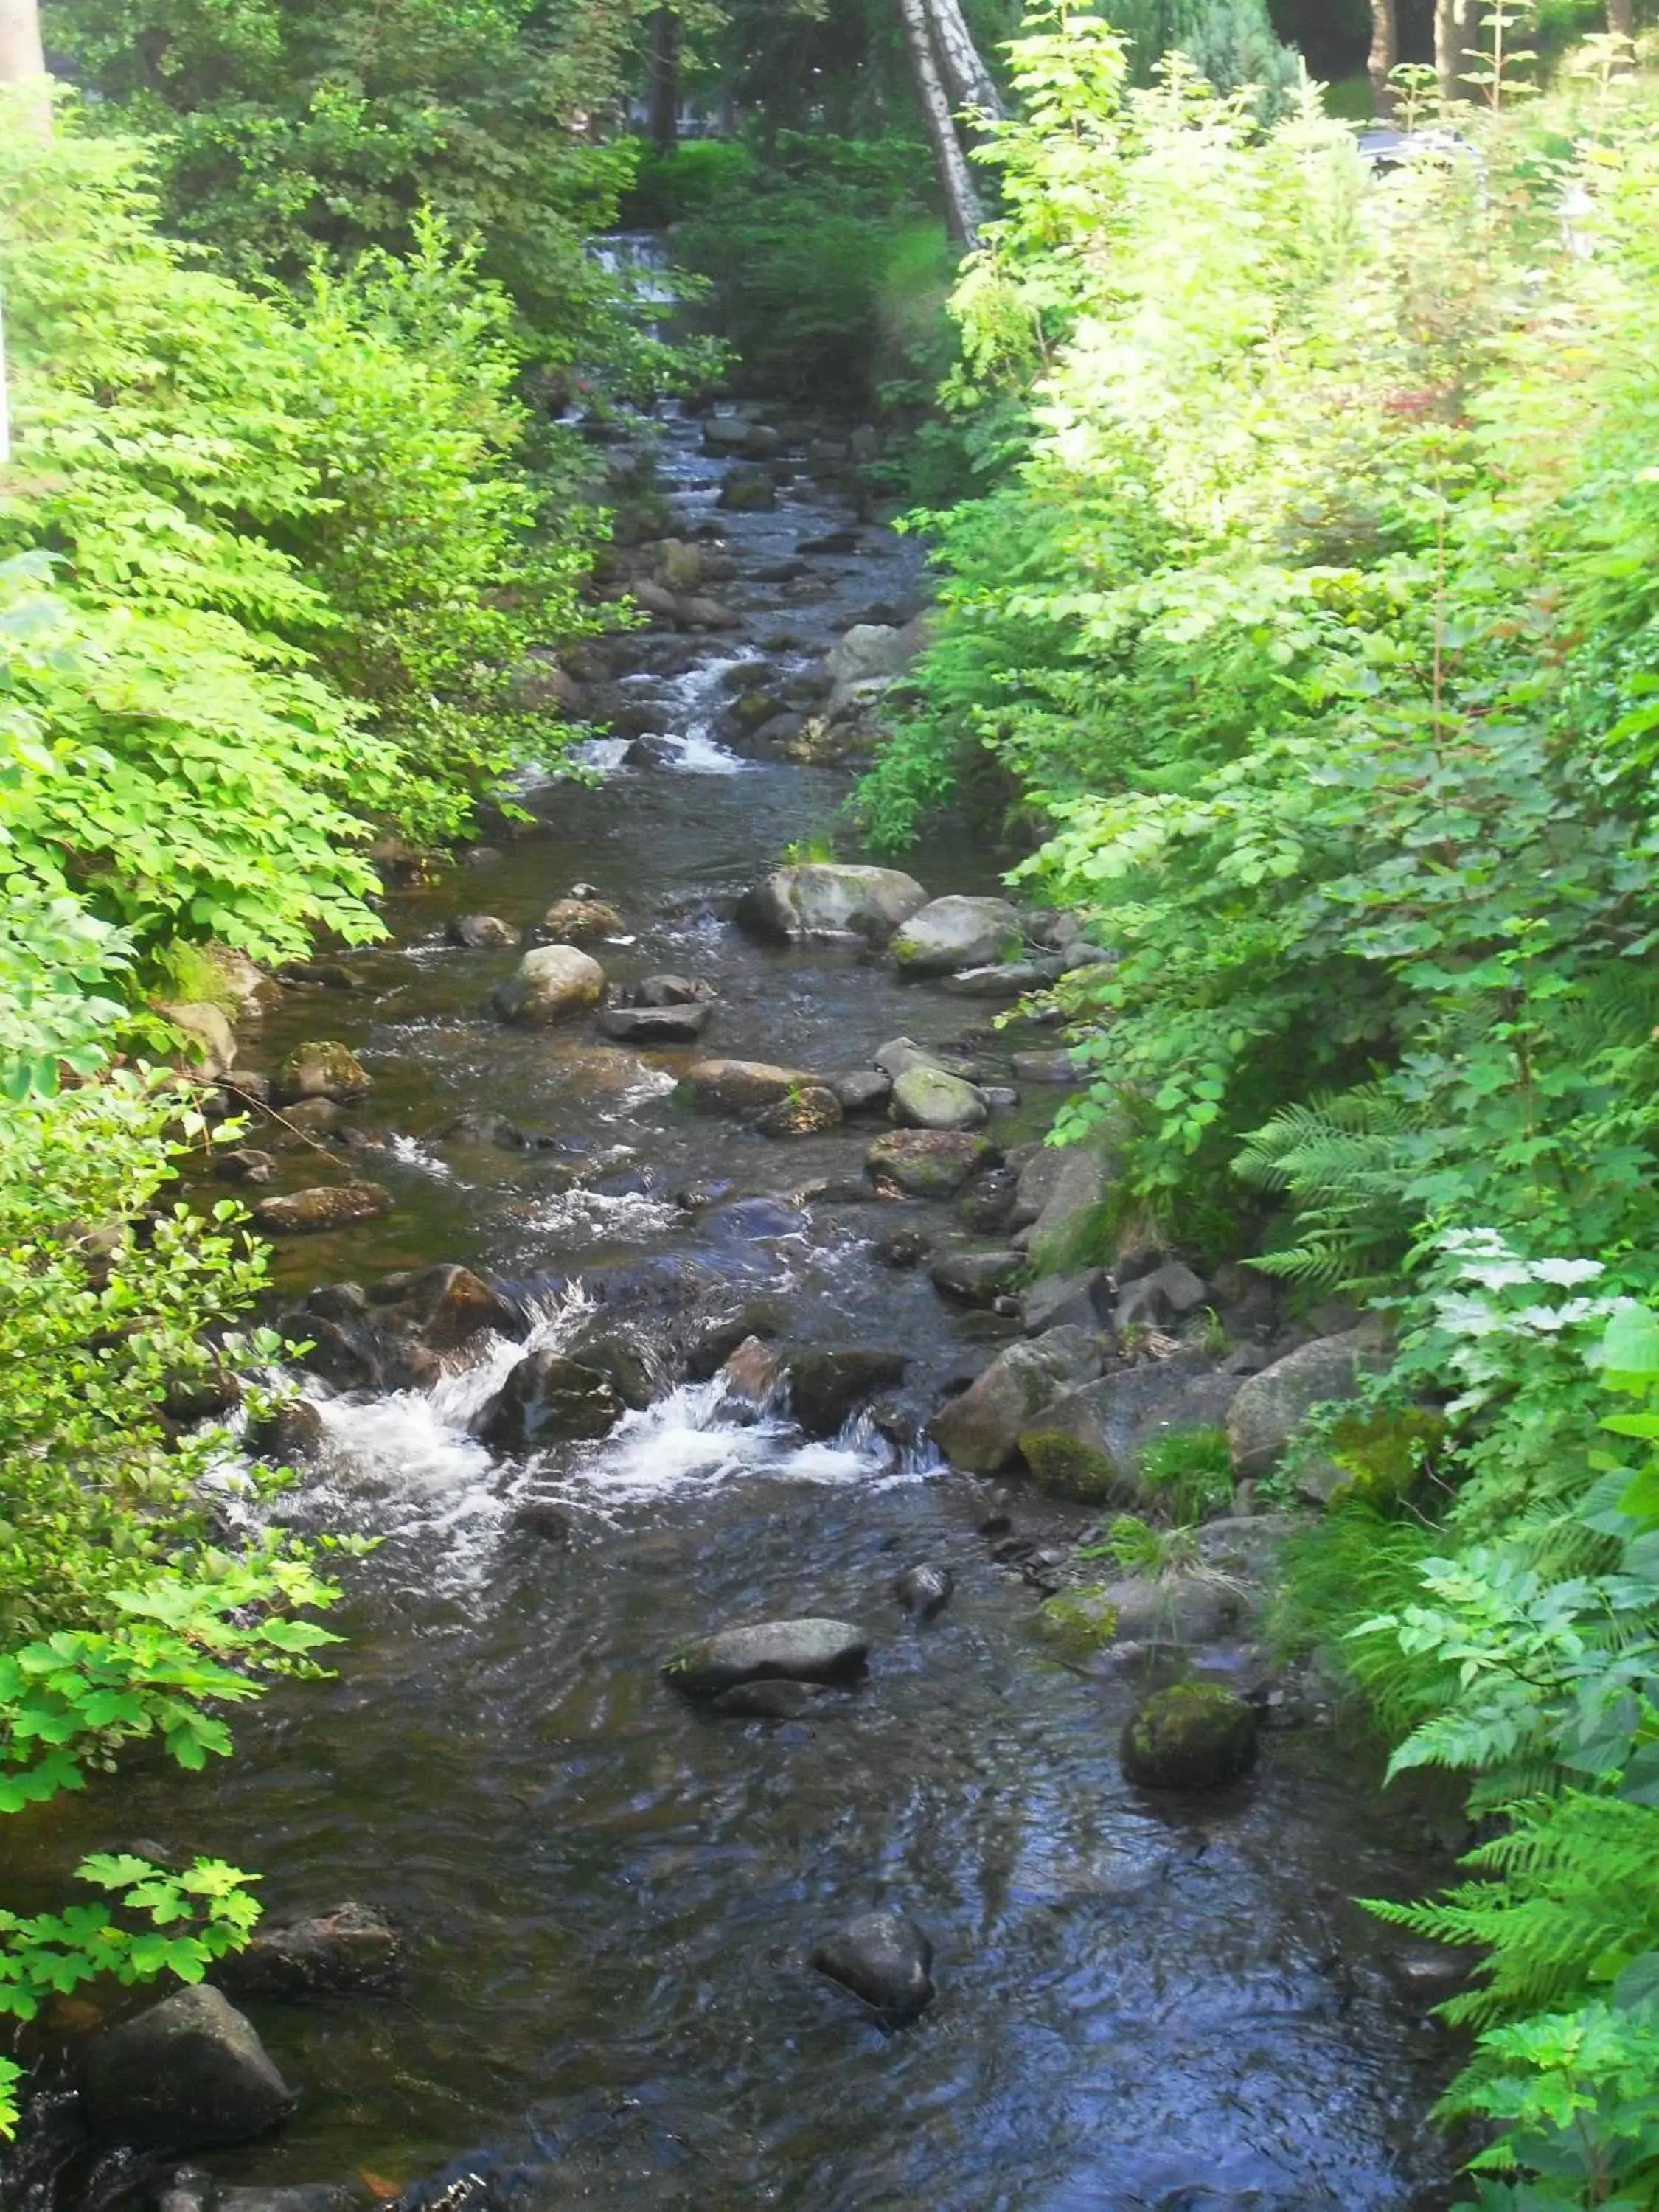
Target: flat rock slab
(742,1086)
(809,1650)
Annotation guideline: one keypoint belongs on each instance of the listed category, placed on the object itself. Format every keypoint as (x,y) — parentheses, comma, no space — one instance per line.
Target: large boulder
(1270,1407)
(824,900)
(446,1306)
(884,1959)
(349,1947)
(981,1429)
(956,933)
(871,653)
(742,1086)
(553,983)
(320,1069)
(209,1040)
(829,1387)
(186,2071)
(1067,1231)
(928,1162)
(1084,1297)
(1156,1611)
(929,1098)
(1194,1735)
(808,1650)
(1088,1443)
(324,1206)
(548,1397)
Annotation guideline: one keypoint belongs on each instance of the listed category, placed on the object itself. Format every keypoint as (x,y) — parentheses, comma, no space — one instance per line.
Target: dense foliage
(1306,638)
(291,550)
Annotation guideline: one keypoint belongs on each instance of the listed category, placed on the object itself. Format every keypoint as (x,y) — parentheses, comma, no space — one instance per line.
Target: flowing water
(608,1896)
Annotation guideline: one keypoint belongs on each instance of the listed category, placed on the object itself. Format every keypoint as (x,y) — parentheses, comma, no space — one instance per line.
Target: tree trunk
(956,182)
(969,84)
(1621,18)
(1384,53)
(664,79)
(1456,23)
(23,62)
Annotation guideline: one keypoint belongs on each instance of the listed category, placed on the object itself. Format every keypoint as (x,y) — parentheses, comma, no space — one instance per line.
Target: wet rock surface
(190,2070)
(810,1650)
(884,1959)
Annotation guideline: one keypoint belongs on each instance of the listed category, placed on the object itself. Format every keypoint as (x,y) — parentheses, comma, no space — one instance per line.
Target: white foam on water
(604,1217)
(410,1152)
(698,754)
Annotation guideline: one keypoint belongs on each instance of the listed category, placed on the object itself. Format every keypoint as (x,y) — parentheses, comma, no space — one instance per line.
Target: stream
(608,1894)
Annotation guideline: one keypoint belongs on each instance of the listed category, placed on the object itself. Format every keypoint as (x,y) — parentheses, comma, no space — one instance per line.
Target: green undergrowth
(1306,626)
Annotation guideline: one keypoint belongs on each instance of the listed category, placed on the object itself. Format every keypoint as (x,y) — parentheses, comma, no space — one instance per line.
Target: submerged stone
(884,1959)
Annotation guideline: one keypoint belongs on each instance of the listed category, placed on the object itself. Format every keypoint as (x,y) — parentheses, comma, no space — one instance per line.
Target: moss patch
(1082,1620)
(1059,1463)
(1194,1735)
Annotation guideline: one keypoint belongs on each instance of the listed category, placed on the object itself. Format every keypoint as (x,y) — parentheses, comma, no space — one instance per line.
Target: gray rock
(1194,1735)
(1058,1067)
(862,1090)
(1270,1407)
(754,1377)
(713,1343)
(929,1098)
(1108,1423)
(349,1947)
(899,1054)
(554,982)
(309,1212)
(289,1435)
(669,990)
(1001,979)
(209,1040)
(829,1387)
(871,652)
(820,899)
(977,1279)
(546,1398)
(928,1162)
(902,1248)
(813,1650)
(1083,1299)
(479,933)
(244,1163)
(1155,1612)
(656,1025)
(741,1086)
(1065,1234)
(622,1352)
(924,1590)
(884,1959)
(186,2071)
(1166,1295)
(980,1431)
(446,1306)
(953,933)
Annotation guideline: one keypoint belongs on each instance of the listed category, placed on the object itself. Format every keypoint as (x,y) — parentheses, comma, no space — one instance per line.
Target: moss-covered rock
(1082,1621)
(1194,1735)
(1379,1455)
(321,1068)
(1069,1467)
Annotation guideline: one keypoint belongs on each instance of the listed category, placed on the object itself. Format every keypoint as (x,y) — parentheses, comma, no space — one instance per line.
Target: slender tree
(962,209)
(1384,53)
(1456,23)
(665,80)
(1621,18)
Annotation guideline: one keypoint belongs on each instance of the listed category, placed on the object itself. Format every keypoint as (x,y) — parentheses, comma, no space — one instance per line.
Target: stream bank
(608,1896)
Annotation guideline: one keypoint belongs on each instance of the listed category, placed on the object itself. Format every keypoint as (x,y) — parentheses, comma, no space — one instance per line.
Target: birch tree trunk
(1455,25)
(1384,53)
(962,209)
(967,80)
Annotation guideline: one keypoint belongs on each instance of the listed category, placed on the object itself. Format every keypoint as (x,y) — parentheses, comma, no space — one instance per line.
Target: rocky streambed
(746,1793)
